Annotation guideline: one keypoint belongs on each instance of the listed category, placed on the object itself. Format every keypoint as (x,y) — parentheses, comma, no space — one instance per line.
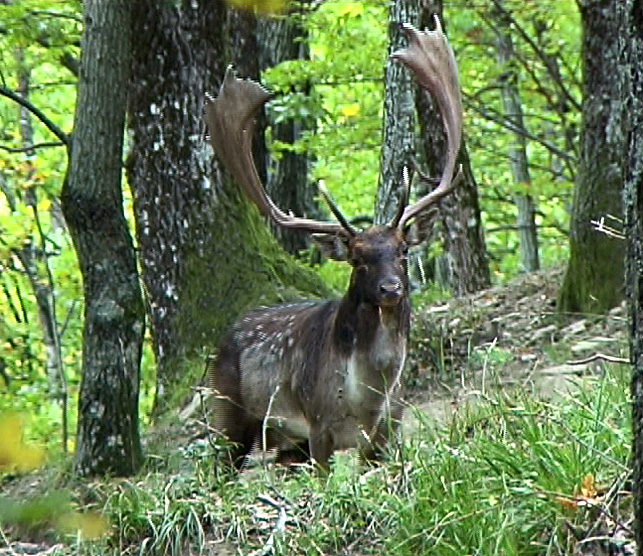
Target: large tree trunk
(630,19)
(108,434)
(465,253)
(206,254)
(512,106)
(594,279)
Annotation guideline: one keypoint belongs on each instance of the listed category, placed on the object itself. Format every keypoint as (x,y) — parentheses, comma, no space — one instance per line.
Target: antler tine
(230,123)
(404,197)
(431,59)
(335,210)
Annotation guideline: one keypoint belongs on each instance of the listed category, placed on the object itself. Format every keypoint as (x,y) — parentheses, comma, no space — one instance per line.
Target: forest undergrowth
(517,441)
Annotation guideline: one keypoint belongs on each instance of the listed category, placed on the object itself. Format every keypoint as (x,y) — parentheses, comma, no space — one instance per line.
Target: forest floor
(507,337)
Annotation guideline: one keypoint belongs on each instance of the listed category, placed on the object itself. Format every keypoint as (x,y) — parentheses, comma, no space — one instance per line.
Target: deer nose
(391,290)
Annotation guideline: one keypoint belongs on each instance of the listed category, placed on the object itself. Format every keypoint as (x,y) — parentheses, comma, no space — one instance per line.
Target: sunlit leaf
(261,6)
(14,454)
(350,109)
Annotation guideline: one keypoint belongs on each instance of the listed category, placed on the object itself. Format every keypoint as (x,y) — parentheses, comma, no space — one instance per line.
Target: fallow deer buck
(318,376)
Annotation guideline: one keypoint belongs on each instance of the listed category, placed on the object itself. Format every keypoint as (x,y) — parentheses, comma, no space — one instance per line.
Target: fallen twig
(597,357)
(280,525)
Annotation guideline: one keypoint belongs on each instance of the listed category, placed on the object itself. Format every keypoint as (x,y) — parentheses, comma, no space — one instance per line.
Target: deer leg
(239,428)
(321,447)
(386,429)
(294,453)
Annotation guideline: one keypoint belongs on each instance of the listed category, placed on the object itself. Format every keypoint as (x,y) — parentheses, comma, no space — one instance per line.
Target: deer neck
(359,325)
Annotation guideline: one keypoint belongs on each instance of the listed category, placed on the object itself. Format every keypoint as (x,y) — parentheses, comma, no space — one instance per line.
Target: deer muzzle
(391,292)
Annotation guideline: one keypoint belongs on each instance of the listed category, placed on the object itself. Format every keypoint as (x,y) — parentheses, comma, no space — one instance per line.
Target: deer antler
(431,59)
(229,118)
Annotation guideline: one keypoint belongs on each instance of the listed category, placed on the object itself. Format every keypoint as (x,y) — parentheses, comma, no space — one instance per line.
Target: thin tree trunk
(31,253)
(287,182)
(399,146)
(108,426)
(512,106)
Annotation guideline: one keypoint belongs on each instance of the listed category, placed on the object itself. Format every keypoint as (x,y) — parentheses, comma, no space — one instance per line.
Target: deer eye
(404,250)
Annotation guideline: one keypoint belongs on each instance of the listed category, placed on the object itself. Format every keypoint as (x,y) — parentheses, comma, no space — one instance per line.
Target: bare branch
(64,138)
(46,144)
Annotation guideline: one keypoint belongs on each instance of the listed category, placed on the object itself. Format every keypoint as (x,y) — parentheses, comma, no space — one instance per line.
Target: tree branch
(511,126)
(539,52)
(64,138)
(32,147)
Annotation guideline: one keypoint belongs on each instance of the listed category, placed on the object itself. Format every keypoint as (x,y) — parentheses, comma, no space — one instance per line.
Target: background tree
(206,254)
(283,39)
(594,278)
(399,148)
(512,107)
(108,423)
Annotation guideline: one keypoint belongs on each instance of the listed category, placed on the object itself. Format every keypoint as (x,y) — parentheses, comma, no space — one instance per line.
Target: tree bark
(108,435)
(629,15)
(594,278)
(399,146)
(206,254)
(287,183)
(465,253)
(512,106)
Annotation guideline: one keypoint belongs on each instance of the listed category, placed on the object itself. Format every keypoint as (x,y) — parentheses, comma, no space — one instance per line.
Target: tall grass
(504,476)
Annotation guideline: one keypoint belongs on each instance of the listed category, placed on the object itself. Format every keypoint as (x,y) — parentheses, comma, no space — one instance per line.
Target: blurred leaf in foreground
(261,6)
(14,453)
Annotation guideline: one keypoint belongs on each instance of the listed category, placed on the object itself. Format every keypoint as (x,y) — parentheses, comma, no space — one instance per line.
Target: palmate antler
(229,118)
(430,57)
(230,122)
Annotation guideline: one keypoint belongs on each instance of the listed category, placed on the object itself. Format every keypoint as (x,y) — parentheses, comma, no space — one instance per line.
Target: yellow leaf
(587,487)
(43,205)
(567,503)
(261,6)
(350,110)
(90,525)
(14,454)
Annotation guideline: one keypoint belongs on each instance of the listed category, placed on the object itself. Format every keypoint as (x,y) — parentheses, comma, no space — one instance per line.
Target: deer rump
(296,377)
(316,376)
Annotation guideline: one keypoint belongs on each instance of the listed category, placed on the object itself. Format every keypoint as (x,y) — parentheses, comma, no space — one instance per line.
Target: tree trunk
(287,182)
(594,278)
(630,20)
(465,253)
(206,254)
(398,131)
(108,435)
(512,106)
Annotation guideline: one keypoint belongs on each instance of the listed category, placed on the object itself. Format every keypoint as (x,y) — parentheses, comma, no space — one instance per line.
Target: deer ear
(333,246)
